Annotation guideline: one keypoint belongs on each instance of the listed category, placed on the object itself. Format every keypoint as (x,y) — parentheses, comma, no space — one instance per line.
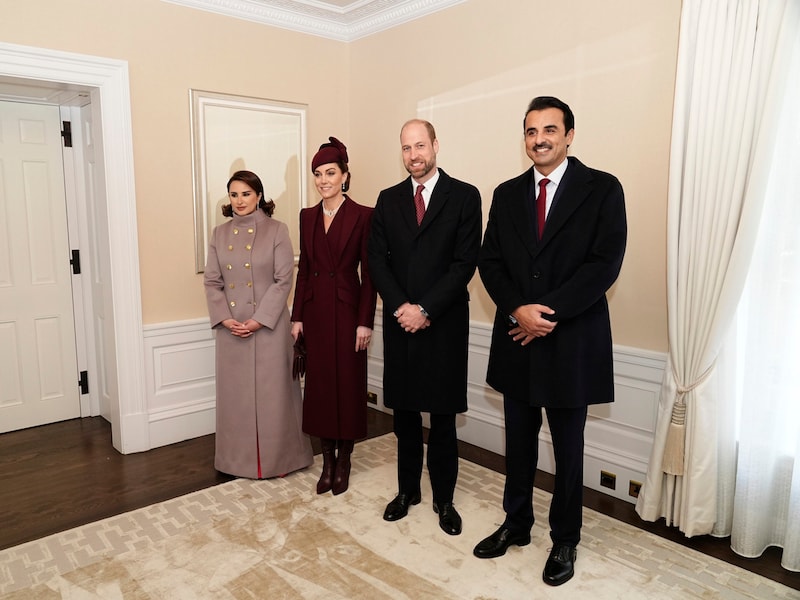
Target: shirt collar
(429,185)
(555,176)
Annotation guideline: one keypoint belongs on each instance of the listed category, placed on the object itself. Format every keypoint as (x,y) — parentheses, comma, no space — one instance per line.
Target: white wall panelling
(181,401)
(181,405)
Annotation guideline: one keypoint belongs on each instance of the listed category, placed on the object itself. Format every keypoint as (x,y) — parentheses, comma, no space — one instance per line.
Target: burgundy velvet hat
(330,152)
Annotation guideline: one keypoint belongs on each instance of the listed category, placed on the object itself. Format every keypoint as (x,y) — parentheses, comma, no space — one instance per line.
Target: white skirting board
(181,400)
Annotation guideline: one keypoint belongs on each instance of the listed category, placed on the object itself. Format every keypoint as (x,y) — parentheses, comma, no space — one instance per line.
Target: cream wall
(169,50)
(471,69)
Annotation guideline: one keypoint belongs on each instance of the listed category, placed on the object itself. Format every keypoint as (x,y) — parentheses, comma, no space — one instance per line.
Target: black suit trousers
(523,423)
(442,453)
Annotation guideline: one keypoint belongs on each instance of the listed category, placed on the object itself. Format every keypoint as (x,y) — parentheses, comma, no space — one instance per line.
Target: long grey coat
(248,275)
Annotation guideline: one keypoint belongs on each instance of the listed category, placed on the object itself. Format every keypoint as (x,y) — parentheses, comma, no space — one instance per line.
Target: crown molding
(356,20)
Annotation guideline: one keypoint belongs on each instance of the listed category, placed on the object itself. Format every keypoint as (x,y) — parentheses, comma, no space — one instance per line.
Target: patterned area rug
(277,539)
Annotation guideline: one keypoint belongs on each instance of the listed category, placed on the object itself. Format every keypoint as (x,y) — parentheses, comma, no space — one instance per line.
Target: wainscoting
(180,401)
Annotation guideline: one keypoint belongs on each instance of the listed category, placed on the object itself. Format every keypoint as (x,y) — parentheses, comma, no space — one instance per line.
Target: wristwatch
(423,312)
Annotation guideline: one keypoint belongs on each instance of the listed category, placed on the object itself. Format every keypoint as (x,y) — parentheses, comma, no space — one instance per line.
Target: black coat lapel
(572,191)
(522,210)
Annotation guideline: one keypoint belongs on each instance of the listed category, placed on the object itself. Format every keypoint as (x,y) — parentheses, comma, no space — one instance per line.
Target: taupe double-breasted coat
(248,275)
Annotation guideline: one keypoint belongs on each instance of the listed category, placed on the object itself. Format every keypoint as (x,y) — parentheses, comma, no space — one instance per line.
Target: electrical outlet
(372,397)
(633,488)
(608,480)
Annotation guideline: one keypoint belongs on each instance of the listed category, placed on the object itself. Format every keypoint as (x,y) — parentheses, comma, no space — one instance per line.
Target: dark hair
(346,170)
(542,102)
(251,179)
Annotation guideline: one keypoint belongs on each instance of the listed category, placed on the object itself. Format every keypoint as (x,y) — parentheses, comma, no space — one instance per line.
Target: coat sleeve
(449,289)
(218,309)
(379,260)
(272,304)
(492,267)
(367,294)
(598,271)
(302,276)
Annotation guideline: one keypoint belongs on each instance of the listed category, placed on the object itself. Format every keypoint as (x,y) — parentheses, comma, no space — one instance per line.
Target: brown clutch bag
(299,360)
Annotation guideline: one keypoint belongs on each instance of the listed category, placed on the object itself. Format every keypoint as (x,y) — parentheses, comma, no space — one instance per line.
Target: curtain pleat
(720,120)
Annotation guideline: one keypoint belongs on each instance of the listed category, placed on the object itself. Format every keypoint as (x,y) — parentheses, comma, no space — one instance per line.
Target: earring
(344,189)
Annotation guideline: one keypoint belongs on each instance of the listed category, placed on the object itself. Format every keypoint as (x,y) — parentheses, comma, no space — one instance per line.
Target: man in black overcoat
(423,250)
(553,247)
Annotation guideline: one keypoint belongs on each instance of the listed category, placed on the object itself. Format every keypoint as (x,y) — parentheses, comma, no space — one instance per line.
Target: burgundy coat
(332,298)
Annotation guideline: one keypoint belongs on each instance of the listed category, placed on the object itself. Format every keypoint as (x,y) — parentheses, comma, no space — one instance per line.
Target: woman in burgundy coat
(334,308)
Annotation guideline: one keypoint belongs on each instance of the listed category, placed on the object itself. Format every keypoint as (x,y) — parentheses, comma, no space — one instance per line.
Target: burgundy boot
(328,466)
(341,478)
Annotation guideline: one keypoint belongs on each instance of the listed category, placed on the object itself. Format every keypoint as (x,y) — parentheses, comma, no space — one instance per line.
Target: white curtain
(760,476)
(731,80)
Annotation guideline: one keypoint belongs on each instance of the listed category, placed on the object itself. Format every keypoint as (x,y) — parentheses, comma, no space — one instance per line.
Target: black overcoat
(570,270)
(430,265)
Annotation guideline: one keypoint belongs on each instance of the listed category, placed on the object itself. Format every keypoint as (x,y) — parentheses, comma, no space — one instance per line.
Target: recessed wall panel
(187,364)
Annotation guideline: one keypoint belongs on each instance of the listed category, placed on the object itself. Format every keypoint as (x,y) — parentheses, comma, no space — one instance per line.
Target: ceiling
(343,20)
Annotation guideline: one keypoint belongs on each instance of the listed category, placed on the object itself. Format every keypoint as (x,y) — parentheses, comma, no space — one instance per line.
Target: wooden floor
(59,476)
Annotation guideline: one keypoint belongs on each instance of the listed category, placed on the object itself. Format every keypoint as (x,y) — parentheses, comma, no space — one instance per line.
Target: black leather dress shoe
(496,544)
(398,508)
(449,519)
(560,567)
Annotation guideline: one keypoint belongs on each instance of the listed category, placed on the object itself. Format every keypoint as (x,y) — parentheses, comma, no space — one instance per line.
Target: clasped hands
(242,330)
(410,318)
(530,323)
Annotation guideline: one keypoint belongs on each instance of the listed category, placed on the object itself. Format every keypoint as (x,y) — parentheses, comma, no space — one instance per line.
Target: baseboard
(181,400)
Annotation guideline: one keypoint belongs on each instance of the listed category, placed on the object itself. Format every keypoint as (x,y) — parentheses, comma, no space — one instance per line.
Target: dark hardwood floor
(59,476)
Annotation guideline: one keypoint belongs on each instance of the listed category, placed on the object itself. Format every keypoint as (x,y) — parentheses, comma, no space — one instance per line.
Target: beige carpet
(277,539)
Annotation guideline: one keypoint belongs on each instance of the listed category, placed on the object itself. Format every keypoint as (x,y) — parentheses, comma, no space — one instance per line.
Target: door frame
(110,98)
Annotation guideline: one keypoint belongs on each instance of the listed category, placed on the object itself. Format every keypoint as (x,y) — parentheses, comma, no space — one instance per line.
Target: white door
(38,365)
(100,320)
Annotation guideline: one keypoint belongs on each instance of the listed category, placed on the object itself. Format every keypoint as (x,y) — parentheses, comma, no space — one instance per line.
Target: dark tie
(541,206)
(419,203)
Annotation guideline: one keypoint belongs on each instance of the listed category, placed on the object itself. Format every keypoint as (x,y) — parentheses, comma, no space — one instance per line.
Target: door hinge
(75,262)
(66,133)
(83,382)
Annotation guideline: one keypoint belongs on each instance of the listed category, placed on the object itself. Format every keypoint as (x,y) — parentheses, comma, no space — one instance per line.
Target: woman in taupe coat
(248,277)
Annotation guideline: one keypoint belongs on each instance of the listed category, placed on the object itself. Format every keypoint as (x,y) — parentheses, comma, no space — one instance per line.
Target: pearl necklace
(330,213)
